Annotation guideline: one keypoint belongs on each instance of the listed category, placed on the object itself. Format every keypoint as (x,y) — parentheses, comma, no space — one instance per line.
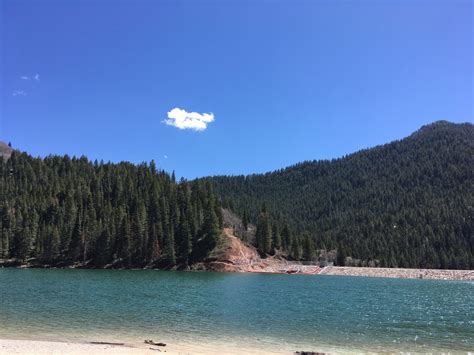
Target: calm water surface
(293,312)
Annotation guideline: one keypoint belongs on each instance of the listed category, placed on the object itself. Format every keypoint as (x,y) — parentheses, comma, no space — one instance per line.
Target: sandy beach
(36,347)
(40,347)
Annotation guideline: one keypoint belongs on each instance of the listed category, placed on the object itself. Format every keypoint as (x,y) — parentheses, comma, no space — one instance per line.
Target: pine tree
(124,241)
(153,247)
(286,237)
(19,248)
(276,238)
(138,233)
(102,248)
(245,222)
(55,243)
(296,248)
(210,229)
(263,235)
(170,253)
(341,256)
(50,244)
(5,246)
(309,250)
(168,234)
(185,239)
(75,246)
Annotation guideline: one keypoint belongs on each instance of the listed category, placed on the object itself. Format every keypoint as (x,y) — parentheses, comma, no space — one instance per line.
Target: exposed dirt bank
(234,255)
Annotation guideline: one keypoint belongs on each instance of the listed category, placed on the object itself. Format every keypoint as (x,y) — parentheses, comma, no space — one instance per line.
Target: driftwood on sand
(106,343)
(151,342)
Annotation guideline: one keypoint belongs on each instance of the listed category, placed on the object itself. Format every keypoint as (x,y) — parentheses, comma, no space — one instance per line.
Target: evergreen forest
(409,203)
(61,211)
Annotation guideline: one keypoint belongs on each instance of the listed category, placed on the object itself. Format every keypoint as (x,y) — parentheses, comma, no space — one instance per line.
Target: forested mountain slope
(409,203)
(62,211)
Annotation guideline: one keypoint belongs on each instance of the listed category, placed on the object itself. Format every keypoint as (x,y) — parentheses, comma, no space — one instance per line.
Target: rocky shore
(432,274)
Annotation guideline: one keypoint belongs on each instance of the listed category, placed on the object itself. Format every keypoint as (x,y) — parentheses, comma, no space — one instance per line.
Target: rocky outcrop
(5,150)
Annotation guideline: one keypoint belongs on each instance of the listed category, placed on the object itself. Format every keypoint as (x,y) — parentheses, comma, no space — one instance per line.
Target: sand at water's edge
(38,347)
(41,347)
(27,347)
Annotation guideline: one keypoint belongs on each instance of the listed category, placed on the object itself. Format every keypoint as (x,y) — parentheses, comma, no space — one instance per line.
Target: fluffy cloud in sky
(188,120)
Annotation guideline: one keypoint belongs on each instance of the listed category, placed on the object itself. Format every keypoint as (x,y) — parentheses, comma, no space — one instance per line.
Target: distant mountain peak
(441,124)
(442,127)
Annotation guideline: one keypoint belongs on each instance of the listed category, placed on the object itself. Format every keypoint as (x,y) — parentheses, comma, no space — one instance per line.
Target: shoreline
(16,346)
(46,347)
(76,347)
(399,273)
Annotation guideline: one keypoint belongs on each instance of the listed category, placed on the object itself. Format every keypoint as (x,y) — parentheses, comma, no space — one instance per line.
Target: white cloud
(19,93)
(26,77)
(188,120)
(165,156)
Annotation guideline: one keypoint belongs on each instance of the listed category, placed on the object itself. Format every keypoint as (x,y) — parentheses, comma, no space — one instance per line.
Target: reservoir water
(261,311)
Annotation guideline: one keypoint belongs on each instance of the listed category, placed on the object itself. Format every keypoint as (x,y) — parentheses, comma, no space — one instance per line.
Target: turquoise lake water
(289,312)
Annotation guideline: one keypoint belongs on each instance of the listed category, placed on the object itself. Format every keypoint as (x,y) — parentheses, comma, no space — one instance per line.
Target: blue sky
(285,81)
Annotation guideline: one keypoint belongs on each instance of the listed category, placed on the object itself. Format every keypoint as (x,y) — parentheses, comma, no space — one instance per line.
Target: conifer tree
(210,228)
(185,240)
(286,237)
(245,222)
(263,235)
(170,253)
(75,246)
(153,247)
(124,241)
(102,248)
(296,248)
(276,238)
(168,234)
(308,248)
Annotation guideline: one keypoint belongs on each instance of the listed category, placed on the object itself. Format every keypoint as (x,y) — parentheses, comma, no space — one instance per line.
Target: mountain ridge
(422,130)
(405,203)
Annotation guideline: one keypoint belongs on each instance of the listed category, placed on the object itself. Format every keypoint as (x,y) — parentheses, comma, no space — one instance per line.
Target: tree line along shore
(71,212)
(405,204)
